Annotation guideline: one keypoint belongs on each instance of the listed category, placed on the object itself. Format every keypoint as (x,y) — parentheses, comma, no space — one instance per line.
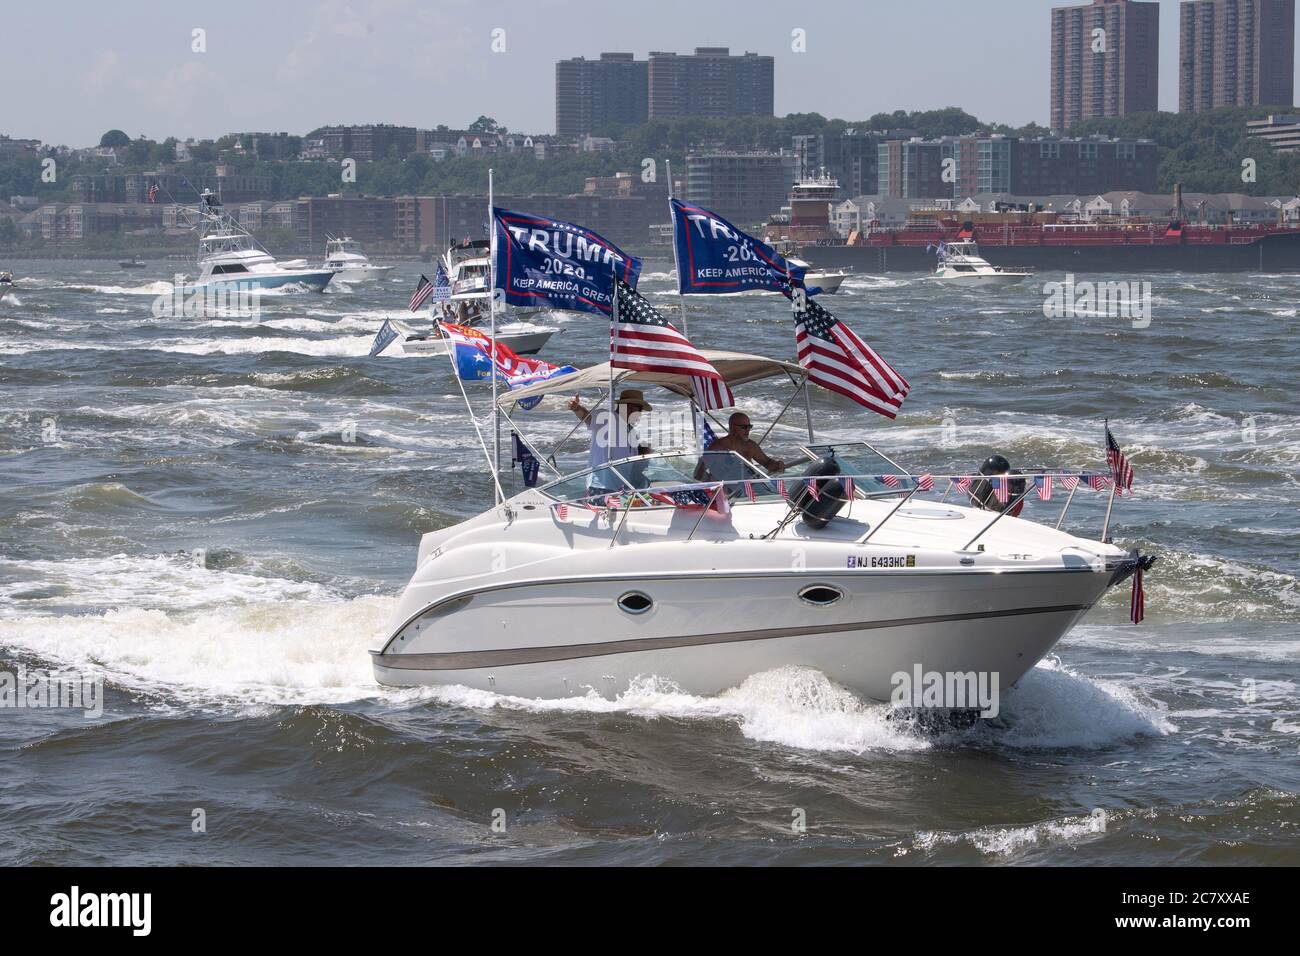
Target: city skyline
(412,65)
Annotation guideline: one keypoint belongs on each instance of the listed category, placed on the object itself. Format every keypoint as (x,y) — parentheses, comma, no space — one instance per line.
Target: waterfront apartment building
(431,223)
(1236,53)
(1281,132)
(366,144)
(1105,60)
(958,166)
(601,96)
(366,218)
(710,82)
(744,187)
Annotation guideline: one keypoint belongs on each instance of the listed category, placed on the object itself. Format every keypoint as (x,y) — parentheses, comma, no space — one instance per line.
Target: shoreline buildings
(1236,53)
(1105,60)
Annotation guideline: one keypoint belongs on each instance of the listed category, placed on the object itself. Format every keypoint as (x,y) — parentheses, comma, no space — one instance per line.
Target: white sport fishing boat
(829,281)
(230,259)
(600,577)
(345,258)
(960,263)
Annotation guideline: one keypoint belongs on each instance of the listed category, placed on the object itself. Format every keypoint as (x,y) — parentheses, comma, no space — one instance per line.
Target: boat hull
(983,281)
(706,632)
(314,279)
(523,343)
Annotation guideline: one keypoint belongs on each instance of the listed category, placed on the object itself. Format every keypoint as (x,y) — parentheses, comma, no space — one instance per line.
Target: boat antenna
(492,322)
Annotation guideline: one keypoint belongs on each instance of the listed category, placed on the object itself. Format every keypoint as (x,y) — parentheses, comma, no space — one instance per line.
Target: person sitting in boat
(716,465)
(614,438)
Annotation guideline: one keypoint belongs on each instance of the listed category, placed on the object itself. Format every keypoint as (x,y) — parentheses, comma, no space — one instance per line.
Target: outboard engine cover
(818,512)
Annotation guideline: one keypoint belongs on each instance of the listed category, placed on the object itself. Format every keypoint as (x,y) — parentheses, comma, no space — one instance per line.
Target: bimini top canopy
(738,368)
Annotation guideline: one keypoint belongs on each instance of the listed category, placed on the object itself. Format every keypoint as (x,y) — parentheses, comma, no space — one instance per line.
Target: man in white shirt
(613,438)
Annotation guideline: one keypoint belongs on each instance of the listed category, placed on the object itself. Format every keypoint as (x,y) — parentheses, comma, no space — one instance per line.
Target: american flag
(812,490)
(1119,466)
(562,512)
(1137,602)
(963,485)
(1098,482)
(153,193)
(749,492)
(695,497)
(643,340)
(891,481)
(847,485)
(925,482)
(1069,482)
(1043,485)
(441,286)
(780,489)
(421,294)
(1002,490)
(838,360)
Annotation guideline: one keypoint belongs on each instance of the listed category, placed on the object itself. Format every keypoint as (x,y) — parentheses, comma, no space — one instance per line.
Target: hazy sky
(75,68)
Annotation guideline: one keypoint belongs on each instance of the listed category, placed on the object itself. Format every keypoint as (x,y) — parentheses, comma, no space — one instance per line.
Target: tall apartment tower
(1105,60)
(711,82)
(600,96)
(1236,53)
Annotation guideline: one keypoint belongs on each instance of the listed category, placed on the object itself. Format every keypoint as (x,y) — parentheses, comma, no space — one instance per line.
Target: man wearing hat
(617,438)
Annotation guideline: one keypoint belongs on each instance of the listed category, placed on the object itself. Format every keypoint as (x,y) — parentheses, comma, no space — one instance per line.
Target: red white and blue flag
(153,192)
(838,360)
(1098,482)
(1120,469)
(694,497)
(423,289)
(1002,490)
(1069,482)
(1137,602)
(925,482)
(1043,485)
(643,340)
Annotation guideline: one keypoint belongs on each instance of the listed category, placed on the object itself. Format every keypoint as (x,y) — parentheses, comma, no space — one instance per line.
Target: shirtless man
(737,439)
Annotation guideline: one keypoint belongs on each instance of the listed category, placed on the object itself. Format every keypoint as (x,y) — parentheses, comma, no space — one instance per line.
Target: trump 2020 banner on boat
(549,263)
(716,258)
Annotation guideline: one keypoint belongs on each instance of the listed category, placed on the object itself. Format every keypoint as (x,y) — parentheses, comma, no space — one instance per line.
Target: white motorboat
(960,263)
(345,258)
(599,577)
(828,281)
(524,338)
(230,259)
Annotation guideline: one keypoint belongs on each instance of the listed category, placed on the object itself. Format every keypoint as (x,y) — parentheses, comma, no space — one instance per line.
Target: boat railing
(999,495)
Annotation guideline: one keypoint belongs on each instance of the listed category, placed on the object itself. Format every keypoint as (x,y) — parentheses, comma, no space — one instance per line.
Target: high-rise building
(600,96)
(711,82)
(1105,60)
(1236,53)
(746,188)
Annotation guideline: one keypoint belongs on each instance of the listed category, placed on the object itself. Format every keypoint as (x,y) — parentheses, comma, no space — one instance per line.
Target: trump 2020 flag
(473,351)
(549,263)
(716,258)
(383,339)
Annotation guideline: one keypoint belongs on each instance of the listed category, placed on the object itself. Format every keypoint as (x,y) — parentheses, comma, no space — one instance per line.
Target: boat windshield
(859,458)
(664,470)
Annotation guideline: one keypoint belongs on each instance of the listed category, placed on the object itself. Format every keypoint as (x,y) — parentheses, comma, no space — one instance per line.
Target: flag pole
(492,322)
(1110,502)
(681,299)
(613,350)
(677,266)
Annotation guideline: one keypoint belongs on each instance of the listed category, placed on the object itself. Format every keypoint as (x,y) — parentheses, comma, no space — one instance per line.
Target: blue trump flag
(548,263)
(716,258)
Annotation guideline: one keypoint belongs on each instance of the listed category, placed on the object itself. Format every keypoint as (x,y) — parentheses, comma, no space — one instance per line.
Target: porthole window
(820,595)
(634,602)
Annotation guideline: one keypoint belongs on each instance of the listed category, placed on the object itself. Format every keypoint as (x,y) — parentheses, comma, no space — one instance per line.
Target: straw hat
(633,396)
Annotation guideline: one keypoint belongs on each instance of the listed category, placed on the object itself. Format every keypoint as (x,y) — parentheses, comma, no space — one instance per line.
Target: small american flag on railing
(1043,485)
(1120,469)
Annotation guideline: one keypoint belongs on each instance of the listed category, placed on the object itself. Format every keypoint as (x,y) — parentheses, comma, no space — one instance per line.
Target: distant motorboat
(960,263)
(344,257)
(229,257)
(132,263)
(6,278)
